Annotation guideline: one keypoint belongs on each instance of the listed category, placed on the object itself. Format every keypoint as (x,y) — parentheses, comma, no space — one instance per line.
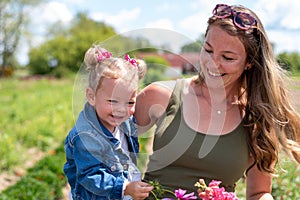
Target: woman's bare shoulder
(158,90)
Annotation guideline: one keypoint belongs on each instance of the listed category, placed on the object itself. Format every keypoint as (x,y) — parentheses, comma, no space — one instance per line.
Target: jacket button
(113,168)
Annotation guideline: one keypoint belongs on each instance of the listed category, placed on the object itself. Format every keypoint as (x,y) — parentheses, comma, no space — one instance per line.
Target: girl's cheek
(131,110)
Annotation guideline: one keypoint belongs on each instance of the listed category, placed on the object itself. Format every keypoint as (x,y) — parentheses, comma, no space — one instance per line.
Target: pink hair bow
(102,54)
(131,60)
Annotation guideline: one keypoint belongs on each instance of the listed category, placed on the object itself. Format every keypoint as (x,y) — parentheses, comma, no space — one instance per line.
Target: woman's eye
(208,50)
(228,58)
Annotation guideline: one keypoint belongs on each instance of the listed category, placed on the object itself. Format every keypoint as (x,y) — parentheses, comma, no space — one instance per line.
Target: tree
(156,67)
(289,61)
(13,21)
(194,46)
(63,53)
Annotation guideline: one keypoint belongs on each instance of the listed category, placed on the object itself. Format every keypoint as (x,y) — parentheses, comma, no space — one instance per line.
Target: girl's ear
(90,95)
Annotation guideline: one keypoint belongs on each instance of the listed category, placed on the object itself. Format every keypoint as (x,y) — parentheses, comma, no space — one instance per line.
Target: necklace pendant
(219,112)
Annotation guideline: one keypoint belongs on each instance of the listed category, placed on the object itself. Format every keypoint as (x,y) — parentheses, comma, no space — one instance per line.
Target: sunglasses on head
(242,20)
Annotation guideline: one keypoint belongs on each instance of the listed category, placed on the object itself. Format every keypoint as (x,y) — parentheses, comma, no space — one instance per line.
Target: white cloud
(161,23)
(171,40)
(279,13)
(78,2)
(54,11)
(194,25)
(285,41)
(167,7)
(46,14)
(119,20)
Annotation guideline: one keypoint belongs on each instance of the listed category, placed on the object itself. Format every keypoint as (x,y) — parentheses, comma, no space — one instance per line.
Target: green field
(36,115)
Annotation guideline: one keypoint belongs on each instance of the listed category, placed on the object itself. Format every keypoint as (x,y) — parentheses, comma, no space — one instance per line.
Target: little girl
(101,149)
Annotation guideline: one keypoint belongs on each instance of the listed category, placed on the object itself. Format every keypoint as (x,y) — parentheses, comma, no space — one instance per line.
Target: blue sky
(281,18)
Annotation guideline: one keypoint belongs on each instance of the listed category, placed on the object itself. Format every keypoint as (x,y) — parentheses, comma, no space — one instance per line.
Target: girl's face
(114,102)
(222,58)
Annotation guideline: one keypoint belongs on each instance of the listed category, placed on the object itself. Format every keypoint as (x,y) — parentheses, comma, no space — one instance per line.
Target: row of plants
(35,112)
(44,181)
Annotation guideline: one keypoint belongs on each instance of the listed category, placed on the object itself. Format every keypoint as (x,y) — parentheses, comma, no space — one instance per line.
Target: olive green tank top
(181,155)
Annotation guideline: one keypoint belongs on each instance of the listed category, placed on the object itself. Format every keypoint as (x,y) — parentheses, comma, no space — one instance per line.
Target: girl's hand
(138,190)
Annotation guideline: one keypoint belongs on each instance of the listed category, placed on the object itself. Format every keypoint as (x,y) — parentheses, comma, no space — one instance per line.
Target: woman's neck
(217,96)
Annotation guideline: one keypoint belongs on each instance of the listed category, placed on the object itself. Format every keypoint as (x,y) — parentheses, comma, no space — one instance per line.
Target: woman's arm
(151,103)
(259,185)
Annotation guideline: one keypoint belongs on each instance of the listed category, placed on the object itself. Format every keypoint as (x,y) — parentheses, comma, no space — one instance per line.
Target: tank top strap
(173,106)
(179,86)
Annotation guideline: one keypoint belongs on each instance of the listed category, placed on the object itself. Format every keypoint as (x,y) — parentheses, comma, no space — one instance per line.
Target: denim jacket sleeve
(97,171)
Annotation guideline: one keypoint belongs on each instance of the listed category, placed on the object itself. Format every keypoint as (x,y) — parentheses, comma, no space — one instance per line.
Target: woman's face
(222,58)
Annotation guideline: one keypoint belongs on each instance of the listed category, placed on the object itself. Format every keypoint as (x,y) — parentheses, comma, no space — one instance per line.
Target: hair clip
(131,60)
(102,54)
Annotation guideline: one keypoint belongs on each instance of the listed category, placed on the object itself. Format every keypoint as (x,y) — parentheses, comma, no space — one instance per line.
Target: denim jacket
(96,166)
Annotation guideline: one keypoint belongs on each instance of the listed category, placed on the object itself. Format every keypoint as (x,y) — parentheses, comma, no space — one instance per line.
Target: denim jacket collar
(126,127)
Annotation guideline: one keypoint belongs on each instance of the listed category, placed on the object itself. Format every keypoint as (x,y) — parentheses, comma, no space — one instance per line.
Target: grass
(38,113)
(34,113)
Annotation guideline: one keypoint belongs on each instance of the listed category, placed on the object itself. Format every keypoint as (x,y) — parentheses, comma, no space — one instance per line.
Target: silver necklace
(219,111)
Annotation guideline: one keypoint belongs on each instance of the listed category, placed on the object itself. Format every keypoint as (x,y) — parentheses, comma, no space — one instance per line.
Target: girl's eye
(131,103)
(112,101)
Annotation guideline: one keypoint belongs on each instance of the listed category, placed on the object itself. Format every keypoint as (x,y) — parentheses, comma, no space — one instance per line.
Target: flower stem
(153,193)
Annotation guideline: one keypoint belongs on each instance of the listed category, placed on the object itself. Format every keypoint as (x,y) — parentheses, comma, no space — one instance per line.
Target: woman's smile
(215,74)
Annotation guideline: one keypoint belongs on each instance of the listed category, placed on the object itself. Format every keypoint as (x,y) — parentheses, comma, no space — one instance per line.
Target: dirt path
(10,178)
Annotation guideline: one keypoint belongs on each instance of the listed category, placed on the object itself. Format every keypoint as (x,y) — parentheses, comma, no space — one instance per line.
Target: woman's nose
(213,63)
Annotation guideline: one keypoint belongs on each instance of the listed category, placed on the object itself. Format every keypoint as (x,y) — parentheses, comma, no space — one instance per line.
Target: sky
(186,19)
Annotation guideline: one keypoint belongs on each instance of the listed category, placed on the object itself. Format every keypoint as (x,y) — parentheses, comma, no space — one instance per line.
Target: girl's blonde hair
(110,67)
(271,117)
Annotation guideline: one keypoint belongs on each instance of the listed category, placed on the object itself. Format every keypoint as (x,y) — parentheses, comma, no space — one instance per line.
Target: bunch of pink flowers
(213,191)
(210,192)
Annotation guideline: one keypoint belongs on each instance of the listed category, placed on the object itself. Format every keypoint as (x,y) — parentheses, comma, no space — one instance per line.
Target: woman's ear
(90,95)
(248,66)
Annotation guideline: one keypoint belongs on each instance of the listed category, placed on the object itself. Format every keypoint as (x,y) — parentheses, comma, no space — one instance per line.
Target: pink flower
(180,194)
(213,192)
(102,54)
(214,183)
(131,60)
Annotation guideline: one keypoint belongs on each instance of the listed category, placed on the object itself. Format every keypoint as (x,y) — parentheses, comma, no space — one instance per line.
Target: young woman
(228,121)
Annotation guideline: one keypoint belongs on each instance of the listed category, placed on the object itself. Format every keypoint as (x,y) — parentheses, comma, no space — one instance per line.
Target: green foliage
(64,53)
(156,66)
(35,113)
(289,61)
(14,15)
(194,46)
(287,184)
(44,181)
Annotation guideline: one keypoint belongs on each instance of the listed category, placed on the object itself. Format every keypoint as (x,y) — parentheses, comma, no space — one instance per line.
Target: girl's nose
(121,108)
